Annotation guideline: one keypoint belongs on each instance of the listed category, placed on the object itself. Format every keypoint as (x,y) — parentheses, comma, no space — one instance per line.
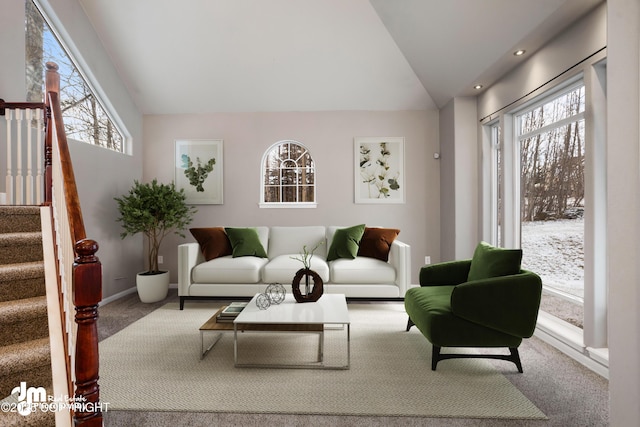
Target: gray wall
(616,26)
(576,43)
(330,138)
(623,222)
(459,178)
(100,173)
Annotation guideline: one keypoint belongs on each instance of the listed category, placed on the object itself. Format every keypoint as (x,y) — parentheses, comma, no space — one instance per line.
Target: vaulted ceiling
(196,56)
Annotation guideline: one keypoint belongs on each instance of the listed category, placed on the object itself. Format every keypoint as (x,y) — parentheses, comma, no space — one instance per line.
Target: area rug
(154,365)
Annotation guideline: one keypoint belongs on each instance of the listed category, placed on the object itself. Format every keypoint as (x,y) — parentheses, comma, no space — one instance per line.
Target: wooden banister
(79,272)
(19,106)
(70,190)
(87,270)
(87,293)
(52,85)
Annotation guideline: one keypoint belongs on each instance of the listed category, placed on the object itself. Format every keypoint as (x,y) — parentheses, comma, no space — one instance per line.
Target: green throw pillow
(489,261)
(245,242)
(346,242)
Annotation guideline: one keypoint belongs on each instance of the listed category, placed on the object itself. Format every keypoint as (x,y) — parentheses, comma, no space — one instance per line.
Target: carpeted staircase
(24,332)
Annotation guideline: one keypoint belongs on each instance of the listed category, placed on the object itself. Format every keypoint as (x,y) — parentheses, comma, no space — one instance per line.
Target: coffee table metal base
(212,325)
(311,328)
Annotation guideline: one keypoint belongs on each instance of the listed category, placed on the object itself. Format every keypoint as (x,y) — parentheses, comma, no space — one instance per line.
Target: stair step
(35,419)
(23,320)
(22,280)
(28,361)
(14,219)
(20,247)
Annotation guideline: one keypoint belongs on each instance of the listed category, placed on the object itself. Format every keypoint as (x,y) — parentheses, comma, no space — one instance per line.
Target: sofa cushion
(213,242)
(291,240)
(345,242)
(282,268)
(489,261)
(361,270)
(245,242)
(229,270)
(376,242)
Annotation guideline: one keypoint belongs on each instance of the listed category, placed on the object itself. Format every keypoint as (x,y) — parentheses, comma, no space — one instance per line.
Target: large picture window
(85,117)
(288,176)
(544,190)
(551,140)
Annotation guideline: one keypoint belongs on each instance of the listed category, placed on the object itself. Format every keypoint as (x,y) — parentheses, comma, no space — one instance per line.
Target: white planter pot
(152,287)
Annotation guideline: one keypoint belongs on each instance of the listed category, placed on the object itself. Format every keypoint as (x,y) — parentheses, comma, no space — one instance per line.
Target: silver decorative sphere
(276,293)
(263,302)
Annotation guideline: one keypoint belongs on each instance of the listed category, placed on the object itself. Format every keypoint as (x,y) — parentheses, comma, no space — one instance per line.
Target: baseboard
(126,292)
(568,339)
(117,296)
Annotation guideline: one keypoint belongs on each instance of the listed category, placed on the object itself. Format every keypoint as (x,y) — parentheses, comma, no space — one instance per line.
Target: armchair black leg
(435,357)
(515,358)
(410,324)
(181,303)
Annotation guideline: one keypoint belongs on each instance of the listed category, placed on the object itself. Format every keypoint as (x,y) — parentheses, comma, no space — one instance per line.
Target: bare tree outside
(289,174)
(552,148)
(553,160)
(85,118)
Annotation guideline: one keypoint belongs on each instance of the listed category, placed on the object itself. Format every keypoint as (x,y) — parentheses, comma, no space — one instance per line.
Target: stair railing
(79,272)
(78,260)
(24,181)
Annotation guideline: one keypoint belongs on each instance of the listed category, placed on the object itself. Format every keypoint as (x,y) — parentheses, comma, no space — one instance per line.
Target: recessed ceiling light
(478,87)
(519,52)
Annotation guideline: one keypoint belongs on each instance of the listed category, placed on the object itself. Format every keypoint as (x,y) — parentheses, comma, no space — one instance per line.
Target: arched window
(288,176)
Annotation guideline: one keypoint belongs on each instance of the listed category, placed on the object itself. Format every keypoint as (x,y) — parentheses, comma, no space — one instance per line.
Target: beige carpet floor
(154,365)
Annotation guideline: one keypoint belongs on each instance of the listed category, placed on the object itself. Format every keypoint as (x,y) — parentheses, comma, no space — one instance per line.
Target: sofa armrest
(400,259)
(189,255)
(445,273)
(508,303)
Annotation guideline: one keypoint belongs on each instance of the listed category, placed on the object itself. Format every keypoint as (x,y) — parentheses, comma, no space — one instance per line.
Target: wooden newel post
(52,79)
(87,293)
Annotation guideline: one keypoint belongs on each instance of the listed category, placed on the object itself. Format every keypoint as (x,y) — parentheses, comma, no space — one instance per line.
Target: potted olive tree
(154,210)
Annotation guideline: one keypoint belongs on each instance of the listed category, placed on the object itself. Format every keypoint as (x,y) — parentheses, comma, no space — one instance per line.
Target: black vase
(313,291)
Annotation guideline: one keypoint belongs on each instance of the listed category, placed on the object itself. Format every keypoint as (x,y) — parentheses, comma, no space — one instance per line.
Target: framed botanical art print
(199,171)
(379,170)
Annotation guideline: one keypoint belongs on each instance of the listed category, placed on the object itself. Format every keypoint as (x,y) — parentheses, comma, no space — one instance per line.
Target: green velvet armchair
(457,305)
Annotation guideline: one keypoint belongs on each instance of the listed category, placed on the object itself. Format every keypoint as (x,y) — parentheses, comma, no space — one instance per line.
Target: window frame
(589,341)
(87,77)
(518,140)
(263,185)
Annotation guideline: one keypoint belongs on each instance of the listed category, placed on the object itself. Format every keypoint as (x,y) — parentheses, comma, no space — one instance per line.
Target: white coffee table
(330,309)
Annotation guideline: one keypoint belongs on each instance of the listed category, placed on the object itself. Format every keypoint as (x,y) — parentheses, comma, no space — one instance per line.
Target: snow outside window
(551,141)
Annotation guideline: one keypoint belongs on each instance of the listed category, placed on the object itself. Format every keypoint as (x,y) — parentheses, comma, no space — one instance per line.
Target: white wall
(616,25)
(100,174)
(467,151)
(447,182)
(459,177)
(576,43)
(329,137)
(623,222)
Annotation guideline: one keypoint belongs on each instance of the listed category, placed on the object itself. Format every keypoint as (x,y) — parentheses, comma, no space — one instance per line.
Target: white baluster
(39,157)
(19,178)
(29,193)
(9,180)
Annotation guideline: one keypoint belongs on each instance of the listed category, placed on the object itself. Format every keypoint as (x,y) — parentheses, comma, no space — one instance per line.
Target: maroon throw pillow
(214,242)
(376,242)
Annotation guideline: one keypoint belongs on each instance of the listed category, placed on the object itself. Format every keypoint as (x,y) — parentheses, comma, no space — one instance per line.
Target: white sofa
(225,276)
